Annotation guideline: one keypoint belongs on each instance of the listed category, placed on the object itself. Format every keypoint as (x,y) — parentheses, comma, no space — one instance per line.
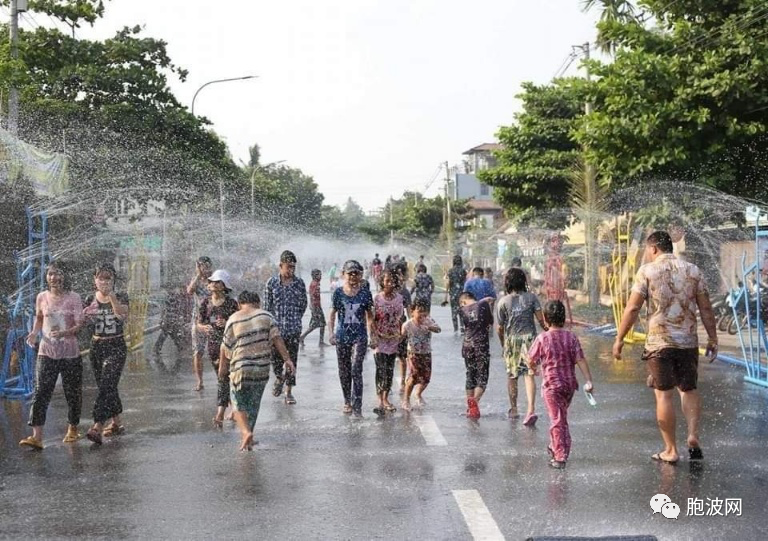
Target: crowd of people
(371,308)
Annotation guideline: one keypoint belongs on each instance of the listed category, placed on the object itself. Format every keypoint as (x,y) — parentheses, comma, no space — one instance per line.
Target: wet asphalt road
(318,474)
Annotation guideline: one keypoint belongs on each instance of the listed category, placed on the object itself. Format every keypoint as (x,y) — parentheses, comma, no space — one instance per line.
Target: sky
(367,96)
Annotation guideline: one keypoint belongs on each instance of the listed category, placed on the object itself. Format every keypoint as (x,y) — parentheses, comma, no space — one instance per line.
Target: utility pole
(448,225)
(391,221)
(13,93)
(591,263)
(221,210)
(253,191)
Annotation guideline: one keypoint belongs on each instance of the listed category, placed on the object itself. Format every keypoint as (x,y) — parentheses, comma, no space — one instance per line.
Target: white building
(480,195)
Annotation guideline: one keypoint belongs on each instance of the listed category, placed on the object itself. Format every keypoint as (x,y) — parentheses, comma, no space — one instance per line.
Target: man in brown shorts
(674,289)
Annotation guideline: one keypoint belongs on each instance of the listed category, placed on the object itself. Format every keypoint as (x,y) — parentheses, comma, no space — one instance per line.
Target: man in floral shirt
(285,297)
(675,290)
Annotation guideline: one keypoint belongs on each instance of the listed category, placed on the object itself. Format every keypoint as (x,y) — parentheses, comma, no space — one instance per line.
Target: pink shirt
(386,320)
(556,351)
(59,314)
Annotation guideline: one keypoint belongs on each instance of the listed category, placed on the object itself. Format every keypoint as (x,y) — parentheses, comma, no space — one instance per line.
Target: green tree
(254,155)
(71,12)
(532,178)
(412,216)
(684,97)
(354,215)
(109,107)
(621,11)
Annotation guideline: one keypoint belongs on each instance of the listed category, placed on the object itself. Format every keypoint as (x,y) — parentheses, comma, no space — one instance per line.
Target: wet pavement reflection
(318,474)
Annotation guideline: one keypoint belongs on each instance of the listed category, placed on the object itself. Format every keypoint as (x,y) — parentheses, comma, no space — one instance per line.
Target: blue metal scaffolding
(747,303)
(17,374)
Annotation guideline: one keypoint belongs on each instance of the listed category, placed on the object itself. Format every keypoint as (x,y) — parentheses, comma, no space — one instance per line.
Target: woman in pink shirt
(59,315)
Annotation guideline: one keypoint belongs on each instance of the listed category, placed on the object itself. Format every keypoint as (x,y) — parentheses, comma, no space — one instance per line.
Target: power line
(565,65)
(740,23)
(29,14)
(27,18)
(56,23)
(431,181)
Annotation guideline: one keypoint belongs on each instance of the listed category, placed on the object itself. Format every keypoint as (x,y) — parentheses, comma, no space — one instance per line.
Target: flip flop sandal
(657,458)
(32,442)
(391,409)
(289,399)
(556,464)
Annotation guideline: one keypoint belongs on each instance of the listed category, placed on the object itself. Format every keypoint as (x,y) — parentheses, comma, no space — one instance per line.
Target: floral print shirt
(670,287)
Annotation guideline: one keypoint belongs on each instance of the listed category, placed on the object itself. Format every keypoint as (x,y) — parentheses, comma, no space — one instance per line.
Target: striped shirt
(556,351)
(248,345)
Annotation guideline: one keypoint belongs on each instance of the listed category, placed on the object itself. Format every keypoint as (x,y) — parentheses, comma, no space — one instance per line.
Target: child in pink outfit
(557,351)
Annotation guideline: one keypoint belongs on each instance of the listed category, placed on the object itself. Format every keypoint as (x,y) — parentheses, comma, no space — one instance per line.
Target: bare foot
(247,443)
(218,422)
(198,387)
(230,416)
(405,405)
(420,402)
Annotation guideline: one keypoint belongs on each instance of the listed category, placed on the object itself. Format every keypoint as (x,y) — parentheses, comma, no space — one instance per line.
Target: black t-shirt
(101,317)
(209,314)
(477,318)
(456,278)
(403,291)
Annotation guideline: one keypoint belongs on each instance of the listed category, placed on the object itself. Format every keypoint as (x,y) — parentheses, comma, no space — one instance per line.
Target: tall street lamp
(221,181)
(218,81)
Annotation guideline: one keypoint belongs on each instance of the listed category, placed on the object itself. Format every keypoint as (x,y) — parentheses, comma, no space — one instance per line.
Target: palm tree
(621,11)
(588,204)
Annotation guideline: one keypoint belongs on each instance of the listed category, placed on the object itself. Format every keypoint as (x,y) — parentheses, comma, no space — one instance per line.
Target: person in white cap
(211,320)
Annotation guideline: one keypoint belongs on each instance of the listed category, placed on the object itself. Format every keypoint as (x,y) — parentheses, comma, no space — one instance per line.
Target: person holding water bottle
(557,351)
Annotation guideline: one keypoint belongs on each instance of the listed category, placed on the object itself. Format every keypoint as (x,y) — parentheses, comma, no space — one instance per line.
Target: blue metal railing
(30,278)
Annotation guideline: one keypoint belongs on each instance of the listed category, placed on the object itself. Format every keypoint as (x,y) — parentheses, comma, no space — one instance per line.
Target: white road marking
(479,520)
(429,430)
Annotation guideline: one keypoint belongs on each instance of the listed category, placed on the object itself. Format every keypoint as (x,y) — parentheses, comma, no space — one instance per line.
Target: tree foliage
(534,168)
(412,215)
(107,105)
(684,97)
